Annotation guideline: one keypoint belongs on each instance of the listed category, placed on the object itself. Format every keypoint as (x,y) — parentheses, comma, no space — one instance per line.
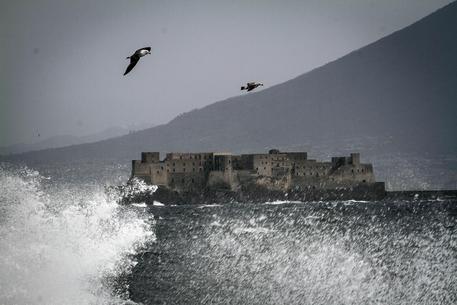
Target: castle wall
(221,179)
(141,170)
(187,181)
(275,170)
(262,164)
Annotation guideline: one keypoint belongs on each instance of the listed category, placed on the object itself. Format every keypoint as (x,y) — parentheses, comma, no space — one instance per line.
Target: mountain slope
(401,90)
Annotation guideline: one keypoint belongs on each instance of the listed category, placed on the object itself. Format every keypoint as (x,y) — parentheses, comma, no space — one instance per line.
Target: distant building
(275,170)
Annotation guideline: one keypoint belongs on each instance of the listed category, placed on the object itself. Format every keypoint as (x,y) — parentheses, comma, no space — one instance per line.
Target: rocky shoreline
(255,194)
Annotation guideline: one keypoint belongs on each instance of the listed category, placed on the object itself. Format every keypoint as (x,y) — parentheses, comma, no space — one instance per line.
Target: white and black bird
(136,57)
(251,86)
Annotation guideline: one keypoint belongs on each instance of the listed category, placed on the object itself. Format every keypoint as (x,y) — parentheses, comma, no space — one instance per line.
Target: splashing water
(64,247)
(301,253)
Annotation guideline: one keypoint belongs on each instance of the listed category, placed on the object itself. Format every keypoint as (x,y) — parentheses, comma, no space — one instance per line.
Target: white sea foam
(277,202)
(209,206)
(64,247)
(139,205)
(157,204)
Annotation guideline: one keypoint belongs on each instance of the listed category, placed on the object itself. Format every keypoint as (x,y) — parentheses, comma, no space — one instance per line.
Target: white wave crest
(65,247)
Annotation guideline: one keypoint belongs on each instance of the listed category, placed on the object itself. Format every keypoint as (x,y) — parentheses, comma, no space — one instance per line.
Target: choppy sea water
(301,253)
(72,243)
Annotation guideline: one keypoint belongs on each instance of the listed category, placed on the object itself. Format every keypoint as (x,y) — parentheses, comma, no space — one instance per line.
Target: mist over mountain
(395,97)
(67,140)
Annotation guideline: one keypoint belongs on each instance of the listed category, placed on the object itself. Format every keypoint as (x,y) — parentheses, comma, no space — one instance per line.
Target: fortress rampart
(275,170)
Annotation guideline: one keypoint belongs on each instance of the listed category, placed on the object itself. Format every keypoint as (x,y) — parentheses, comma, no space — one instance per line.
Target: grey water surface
(390,252)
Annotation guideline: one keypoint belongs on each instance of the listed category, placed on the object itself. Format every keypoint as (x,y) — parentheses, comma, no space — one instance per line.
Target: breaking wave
(68,246)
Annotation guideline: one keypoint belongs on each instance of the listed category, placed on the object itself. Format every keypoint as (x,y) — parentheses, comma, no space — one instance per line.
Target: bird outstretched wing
(145,48)
(133,61)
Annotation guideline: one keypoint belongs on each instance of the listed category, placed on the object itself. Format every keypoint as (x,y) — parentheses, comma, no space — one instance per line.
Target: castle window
(173,163)
(180,157)
(174,170)
(193,169)
(256,168)
(161,167)
(193,163)
(182,180)
(192,180)
(264,168)
(364,180)
(184,164)
(352,170)
(183,169)
(172,180)
(168,170)
(157,172)
(200,169)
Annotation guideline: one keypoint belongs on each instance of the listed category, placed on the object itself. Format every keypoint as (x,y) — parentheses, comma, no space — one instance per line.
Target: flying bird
(251,86)
(136,57)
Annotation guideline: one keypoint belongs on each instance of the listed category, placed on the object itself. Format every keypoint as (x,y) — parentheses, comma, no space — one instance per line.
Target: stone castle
(275,170)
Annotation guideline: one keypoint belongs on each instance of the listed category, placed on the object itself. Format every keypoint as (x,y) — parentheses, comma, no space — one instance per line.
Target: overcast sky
(62,60)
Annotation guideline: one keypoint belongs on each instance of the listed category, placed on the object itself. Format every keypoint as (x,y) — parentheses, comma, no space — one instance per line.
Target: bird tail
(243,88)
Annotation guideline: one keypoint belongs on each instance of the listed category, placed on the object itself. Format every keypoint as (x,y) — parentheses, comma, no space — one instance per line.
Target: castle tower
(150,157)
(355,158)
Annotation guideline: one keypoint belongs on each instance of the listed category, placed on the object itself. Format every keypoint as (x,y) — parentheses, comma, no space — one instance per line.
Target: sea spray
(64,247)
(319,253)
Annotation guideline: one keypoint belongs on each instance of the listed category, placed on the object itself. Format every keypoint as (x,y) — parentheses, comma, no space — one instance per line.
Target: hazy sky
(62,61)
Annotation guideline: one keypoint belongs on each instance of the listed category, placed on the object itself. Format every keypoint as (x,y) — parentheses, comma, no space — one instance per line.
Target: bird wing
(133,61)
(145,48)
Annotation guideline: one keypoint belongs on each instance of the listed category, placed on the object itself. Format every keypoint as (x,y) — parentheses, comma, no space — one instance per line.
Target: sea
(67,240)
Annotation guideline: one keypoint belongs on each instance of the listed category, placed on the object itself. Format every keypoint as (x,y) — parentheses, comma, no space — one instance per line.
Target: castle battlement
(274,170)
